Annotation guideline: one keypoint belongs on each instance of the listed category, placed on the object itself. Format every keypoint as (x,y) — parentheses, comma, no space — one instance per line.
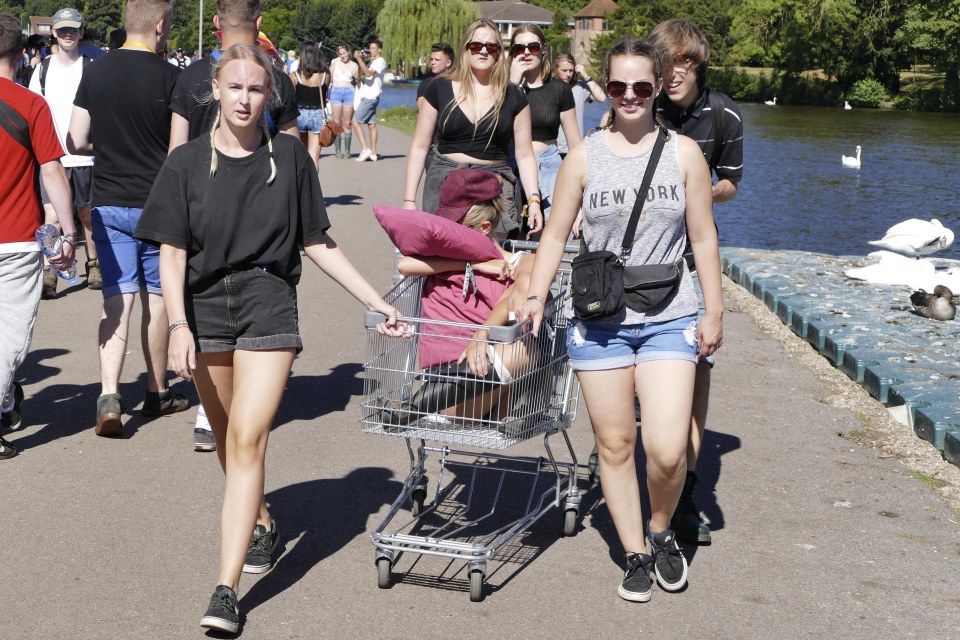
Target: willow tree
(409,27)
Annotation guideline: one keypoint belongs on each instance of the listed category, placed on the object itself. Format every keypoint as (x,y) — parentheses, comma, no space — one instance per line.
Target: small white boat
(915,237)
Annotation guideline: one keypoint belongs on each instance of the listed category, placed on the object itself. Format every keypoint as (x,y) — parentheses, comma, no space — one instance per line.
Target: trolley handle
(532,245)
(497,333)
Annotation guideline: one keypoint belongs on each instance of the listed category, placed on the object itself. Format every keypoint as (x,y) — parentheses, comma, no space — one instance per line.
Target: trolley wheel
(418,498)
(570,522)
(383,573)
(476,585)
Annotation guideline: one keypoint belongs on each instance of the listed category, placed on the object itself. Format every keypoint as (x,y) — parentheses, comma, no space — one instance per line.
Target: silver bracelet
(176,324)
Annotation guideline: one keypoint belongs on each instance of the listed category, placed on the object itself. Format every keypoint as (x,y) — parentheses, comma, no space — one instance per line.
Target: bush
(739,85)
(867,93)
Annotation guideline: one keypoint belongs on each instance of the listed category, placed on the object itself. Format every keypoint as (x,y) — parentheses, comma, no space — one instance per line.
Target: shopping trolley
(529,391)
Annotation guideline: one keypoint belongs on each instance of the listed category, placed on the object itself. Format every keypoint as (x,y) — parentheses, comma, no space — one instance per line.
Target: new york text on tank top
(614,197)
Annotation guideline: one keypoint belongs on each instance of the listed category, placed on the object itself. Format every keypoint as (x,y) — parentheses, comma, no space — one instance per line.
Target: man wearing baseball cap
(56,79)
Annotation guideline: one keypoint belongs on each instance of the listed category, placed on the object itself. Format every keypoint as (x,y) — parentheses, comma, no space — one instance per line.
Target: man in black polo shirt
(713,120)
(120,114)
(192,114)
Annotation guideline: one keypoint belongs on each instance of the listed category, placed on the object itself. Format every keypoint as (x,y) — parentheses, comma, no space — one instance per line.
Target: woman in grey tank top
(651,354)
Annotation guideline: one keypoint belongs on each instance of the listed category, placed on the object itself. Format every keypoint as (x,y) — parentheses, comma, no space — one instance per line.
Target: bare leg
(313,148)
(373,137)
(665,389)
(154,338)
(358,130)
(84,213)
(258,380)
(609,398)
(698,423)
(114,328)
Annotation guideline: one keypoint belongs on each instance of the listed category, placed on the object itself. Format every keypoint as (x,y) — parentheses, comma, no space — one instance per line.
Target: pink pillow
(416,233)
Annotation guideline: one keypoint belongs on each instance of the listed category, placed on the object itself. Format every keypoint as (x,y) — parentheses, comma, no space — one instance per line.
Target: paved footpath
(814,536)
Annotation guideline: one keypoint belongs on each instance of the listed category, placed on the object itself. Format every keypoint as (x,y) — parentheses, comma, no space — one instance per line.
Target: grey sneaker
(203,440)
(668,562)
(12,420)
(260,553)
(109,412)
(223,613)
(636,579)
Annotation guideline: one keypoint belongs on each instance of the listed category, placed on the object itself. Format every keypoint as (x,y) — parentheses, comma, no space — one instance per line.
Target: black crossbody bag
(601,285)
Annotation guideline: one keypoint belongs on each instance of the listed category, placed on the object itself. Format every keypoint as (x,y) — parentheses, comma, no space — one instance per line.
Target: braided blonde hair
(258,57)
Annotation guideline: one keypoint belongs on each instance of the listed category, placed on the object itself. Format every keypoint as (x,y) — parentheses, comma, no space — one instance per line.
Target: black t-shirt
(235,221)
(127,93)
(547,102)
(194,86)
(700,121)
(422,87)
(456,134)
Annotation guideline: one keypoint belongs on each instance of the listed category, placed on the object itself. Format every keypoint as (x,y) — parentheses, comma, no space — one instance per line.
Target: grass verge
(401,118)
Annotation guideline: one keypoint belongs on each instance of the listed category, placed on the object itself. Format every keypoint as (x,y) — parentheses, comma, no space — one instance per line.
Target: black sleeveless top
(308,97)
(547,102)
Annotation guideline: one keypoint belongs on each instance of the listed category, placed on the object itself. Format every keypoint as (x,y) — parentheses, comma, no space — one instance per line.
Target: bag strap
(16,125)
(718,109)
(626,247)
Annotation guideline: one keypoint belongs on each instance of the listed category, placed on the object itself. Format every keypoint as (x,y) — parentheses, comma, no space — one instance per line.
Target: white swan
(852,162)
(771,103)
(846,105)
(916,238)
(895,269)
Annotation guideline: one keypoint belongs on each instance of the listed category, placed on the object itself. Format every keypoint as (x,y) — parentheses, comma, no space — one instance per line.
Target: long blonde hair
(462,73)
(258,57)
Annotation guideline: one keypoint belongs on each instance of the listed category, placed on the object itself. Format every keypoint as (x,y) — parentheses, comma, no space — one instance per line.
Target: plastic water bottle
(50,241)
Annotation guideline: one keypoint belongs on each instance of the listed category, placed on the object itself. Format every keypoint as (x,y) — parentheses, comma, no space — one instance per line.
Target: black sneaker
(668,562)
(7,450)
(203,440)
(636,579)
(223,614)
(260,553)
(11,420)
(163,403)
(686,521)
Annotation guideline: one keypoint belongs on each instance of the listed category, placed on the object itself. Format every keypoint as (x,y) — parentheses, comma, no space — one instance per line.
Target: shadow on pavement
(310,397)
(318,518)
(344,199)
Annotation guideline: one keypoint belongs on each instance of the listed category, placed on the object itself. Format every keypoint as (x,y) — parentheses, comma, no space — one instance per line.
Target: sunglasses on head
(618,89)
(532,47)
(475,47)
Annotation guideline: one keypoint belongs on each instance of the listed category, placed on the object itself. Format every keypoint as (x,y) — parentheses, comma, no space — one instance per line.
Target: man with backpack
(713,120)
(28,146)
(56,79)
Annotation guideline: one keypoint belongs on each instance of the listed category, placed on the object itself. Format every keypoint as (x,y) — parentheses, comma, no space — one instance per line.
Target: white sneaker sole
(677,586)
(249,568)
(210,622)
(633,596)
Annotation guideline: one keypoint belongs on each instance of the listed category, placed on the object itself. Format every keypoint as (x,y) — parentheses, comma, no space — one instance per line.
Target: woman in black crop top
(310,79)
(478,83)
(551,105)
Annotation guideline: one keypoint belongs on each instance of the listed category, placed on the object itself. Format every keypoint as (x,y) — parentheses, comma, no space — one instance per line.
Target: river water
(795,193)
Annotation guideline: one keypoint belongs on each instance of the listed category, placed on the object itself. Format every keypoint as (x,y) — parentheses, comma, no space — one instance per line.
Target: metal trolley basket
(529,391)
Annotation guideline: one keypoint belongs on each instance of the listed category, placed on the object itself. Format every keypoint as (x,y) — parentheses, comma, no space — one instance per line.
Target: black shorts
(250,310)
(80,180)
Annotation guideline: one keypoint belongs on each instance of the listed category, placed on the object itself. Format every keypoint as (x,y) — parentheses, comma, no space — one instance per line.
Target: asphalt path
(118,538)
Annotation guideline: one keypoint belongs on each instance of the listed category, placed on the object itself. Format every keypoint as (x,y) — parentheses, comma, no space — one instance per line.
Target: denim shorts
(598,346)
(251,310)
(342,95)
(548,164)
(310,120)
(127,265)
(366,113)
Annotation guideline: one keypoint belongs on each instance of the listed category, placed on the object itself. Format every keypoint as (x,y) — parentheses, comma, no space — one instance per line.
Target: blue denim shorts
(251,310)
(342,95)
(366,113)
(310,120)
(598,346)
(701,309)
(548,164)
(127,265)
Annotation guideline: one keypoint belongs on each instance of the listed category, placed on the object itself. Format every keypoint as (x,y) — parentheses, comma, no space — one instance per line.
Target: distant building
(508,15)
(41,26)
(588,23)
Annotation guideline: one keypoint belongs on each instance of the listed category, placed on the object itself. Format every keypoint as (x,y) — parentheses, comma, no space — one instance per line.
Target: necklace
(138,45)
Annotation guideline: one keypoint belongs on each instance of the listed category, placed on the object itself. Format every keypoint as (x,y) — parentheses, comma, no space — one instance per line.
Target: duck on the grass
(937,305)
(915,237)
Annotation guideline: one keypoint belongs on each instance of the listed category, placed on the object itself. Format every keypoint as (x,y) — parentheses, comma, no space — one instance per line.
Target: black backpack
(45,64)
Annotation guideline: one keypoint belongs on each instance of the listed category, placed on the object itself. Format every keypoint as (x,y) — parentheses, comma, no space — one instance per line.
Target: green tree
(278,23)
(409,27)
(103,16)
(932,31)
(184,32)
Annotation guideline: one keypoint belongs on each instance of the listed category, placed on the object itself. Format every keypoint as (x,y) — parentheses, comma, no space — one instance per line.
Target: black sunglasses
(475,47)
(62,30)
(618,89)
(532,47)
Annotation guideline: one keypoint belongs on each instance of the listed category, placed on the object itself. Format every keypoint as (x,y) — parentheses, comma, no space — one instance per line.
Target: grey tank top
(612,185)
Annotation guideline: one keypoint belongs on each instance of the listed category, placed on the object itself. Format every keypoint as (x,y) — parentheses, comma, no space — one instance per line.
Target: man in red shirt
(28,144)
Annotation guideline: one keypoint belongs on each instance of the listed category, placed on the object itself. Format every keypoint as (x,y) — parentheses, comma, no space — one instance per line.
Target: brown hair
(529,27)
(461,72)
(640,49)
(11,36)
(682,38)
(140,16)
(258,57)
(564,57)
(237,14)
